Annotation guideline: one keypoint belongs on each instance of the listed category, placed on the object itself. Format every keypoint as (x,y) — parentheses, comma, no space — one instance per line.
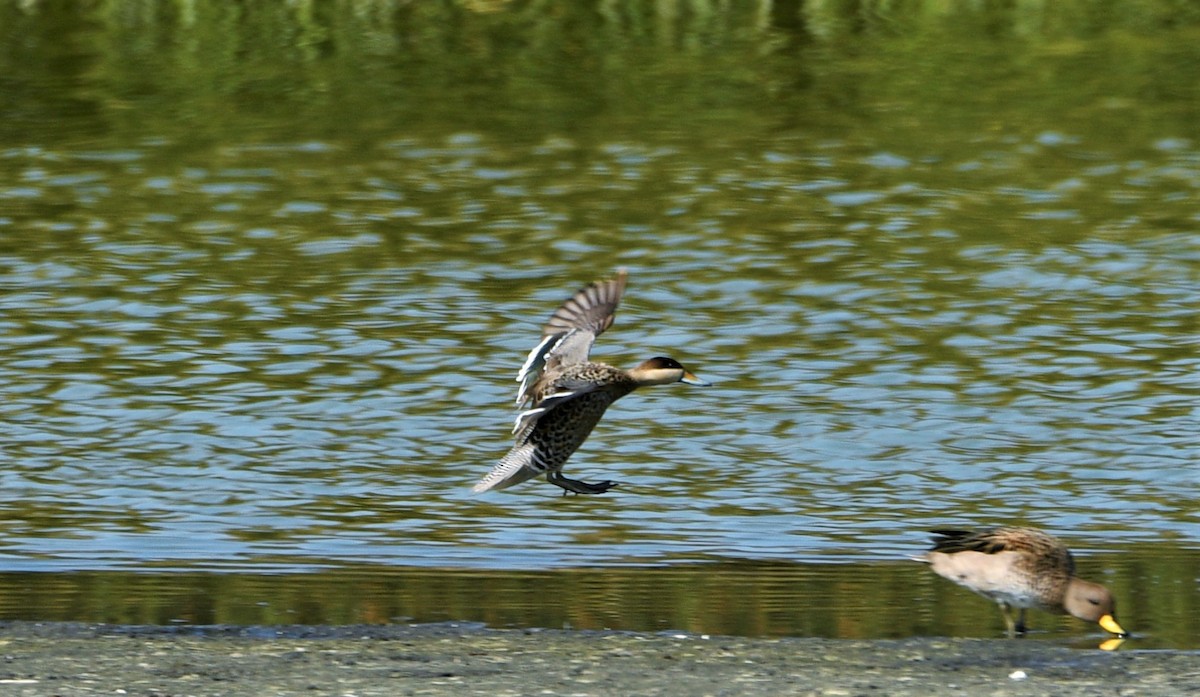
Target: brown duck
(1021,568)
(568,394)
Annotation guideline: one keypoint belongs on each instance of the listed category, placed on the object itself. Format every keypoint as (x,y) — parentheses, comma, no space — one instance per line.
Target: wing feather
(568,336)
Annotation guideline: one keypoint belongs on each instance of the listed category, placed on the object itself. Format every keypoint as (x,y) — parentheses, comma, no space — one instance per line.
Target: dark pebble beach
(68,659)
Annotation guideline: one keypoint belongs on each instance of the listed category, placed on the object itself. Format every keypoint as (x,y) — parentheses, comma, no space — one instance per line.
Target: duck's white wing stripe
(532,369)
(530,416)
(526,417)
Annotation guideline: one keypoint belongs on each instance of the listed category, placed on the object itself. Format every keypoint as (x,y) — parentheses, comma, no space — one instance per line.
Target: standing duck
(1021,568)
(567,393)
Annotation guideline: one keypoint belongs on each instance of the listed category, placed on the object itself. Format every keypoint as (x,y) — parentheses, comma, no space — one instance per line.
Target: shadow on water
(1158,599)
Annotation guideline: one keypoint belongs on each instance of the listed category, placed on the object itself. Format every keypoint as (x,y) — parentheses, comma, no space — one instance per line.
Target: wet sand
(82,659)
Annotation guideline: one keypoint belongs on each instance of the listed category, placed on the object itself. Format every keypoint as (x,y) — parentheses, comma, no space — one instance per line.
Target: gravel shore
(85,659)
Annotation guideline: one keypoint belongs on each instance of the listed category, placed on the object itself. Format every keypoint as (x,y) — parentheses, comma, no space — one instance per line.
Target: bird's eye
(1093,601)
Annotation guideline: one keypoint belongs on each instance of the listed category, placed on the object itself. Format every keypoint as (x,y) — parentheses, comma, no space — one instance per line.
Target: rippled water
(286,341)
(326,384)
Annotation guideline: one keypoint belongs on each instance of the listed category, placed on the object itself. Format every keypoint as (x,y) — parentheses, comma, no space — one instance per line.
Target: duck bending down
(567,394)
(1021,568)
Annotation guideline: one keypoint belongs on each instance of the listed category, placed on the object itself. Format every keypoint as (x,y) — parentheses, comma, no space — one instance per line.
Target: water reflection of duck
(569,393)
(1021,568)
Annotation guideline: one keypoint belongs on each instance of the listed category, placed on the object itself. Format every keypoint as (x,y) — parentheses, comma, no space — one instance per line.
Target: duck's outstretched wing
(568,337)
(590,309)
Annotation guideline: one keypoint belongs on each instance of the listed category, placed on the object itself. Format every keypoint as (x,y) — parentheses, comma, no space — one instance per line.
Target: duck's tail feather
(515,467)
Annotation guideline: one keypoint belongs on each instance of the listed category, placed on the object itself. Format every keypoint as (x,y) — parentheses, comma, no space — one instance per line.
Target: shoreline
(43,659)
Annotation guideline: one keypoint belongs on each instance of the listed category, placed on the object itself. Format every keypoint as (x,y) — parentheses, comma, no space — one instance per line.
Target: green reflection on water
(1154,586)
(741,70)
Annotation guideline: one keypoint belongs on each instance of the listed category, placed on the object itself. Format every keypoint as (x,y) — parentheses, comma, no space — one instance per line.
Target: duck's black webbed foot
(575,486)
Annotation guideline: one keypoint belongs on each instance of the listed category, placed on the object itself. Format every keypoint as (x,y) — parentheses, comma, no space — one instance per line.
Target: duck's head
(1093,602)
(664,371)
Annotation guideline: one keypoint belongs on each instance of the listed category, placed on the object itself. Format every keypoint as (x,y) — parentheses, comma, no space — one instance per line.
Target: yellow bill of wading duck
(1021,568)
(567,394)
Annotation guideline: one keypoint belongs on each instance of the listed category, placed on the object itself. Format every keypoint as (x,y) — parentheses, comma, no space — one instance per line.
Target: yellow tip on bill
(1109,623)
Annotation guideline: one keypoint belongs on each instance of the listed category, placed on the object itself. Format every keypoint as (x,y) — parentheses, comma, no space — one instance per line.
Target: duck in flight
(567,394)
